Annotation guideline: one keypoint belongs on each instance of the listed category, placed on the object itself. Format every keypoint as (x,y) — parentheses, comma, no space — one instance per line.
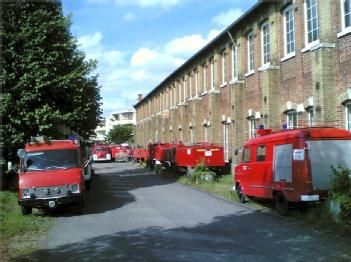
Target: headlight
(108,156)
(26,193)
(95,156)
(75,188)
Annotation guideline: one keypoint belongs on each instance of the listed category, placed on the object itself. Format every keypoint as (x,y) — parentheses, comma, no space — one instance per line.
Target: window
(310,116)
(311,22)
(191,135)
(291,119)
(234,62)
(250,52)
(212,79)
(246,155)
(261,154)
(196,83)
(190,86)
(348,116)
(252,127)
(205,77)
(345,14)
(184,91)
(265,43)
(206,133)
(174,96)
(289,31)
(224,67)
(180,93)
(225,142)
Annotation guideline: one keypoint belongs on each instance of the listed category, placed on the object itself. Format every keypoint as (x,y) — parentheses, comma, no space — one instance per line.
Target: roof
(310,133)
(51,145)
(202,50)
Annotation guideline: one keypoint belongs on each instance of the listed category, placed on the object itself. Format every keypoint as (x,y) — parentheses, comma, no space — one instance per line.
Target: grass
(20,235)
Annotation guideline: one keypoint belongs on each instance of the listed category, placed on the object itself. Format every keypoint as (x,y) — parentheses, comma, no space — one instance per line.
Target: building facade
(283,64)
(124,117)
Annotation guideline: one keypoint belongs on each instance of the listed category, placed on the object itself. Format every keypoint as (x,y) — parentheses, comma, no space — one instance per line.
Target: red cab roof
(51,145)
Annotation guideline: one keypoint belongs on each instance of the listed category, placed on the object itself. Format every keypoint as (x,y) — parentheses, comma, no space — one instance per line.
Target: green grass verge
(20,234)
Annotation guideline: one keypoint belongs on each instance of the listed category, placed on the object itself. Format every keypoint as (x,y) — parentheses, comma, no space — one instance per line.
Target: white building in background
(124,117)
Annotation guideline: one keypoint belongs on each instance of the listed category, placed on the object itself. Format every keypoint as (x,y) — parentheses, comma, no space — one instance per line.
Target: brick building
(282,64)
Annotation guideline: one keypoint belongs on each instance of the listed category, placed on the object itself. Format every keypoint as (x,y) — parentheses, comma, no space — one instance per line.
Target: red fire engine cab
(101,153)
(51,174)
(291,166)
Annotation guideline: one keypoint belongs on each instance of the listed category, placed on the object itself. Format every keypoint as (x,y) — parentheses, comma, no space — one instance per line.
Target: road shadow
(243,236)
(110,189)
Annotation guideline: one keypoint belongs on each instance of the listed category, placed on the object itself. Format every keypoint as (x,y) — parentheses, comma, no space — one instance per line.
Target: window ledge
(214,91)
(224,84)
(344,31)
(287,57)
(204,93)
(310,46)
(250,73)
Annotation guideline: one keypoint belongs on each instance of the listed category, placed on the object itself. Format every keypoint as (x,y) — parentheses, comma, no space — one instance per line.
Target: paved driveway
(132,215)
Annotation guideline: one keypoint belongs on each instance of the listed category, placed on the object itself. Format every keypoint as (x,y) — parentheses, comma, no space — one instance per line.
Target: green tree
(47,85)
(120,134)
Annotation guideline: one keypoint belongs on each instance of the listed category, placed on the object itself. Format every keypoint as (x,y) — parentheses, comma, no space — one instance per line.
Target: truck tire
(26,210)
(88,184)
(281,204)
(241,195)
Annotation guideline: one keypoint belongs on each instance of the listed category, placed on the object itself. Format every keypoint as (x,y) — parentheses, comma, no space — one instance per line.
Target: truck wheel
(241,195)
(88,184)
(26,210)
(281,204)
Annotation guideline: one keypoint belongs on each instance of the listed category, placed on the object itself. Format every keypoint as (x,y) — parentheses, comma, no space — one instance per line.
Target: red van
(51,174)
(291,166)
(101,153)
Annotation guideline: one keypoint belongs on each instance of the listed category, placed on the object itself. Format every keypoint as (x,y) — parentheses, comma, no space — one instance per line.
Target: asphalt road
(133,215)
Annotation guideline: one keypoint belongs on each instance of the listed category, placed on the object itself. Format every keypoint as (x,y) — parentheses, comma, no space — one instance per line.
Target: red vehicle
(210,155)
(101,153)
(118,153)
(139,154)
(51,174)
(159,155)
(291,166)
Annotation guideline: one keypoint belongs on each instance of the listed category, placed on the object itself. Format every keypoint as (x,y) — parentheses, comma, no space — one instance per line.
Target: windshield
(52,159)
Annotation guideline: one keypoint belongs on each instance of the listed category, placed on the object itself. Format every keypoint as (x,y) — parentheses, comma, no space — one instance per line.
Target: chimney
(140,97)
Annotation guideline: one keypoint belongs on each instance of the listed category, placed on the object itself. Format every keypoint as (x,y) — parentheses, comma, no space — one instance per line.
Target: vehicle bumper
(308,198)
(44,203)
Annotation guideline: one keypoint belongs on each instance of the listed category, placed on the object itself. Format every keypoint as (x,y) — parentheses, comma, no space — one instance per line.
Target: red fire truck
(51,174)
(101,153)
(291,166)
(139,154)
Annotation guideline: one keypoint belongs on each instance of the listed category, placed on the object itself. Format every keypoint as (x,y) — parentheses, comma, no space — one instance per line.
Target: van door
(282,163)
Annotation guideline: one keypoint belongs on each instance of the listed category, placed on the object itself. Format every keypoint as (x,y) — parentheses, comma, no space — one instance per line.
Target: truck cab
(51,174)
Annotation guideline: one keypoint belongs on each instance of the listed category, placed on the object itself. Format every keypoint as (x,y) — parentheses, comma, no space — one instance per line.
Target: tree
(48,86)
(120,134)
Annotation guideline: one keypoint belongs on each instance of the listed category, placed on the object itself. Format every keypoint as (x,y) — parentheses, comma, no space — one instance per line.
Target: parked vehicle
(291,166)
(139,154)
(51,174)
(101,153)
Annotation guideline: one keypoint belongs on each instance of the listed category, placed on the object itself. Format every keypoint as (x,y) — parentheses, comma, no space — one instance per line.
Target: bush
(341,191)
(202,173)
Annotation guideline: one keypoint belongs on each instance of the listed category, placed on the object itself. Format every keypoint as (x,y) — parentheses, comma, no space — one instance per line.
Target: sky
(138,43)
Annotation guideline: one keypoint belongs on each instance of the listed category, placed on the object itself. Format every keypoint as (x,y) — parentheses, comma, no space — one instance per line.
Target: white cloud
(224,19)
(129,16)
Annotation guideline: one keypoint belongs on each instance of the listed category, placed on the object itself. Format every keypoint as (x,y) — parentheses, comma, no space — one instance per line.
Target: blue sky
(137,43)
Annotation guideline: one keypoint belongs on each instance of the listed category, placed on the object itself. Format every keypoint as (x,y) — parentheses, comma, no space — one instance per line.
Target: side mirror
(21,153)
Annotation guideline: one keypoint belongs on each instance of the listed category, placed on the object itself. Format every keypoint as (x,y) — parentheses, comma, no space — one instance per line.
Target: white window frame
(184,90)
(180,92)
(250,53)
(174,95)
(206,133)
(191,135)
(234,62)
(190,86)
(196,83)
(310,116)
(348,116)
(266,52)
(204,68)
(316,41)
(224,66)
(344,29)
(226,142)
(287,30)
(290,121)
(252,127)
(212,76)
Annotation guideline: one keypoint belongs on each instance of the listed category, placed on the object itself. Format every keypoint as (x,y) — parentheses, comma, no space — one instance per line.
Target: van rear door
(282,163)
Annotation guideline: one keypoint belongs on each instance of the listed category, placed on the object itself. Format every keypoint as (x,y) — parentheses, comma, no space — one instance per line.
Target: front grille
(49,192)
